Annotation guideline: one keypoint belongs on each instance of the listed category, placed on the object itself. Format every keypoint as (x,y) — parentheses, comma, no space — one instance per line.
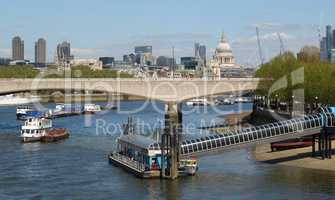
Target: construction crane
(259,47)
(282,49)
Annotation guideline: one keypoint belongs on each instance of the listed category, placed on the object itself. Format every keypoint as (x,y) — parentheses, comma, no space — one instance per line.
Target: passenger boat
(40,129)
(198,102)
(91,109)
(64,110)
(21,111)
(142,156)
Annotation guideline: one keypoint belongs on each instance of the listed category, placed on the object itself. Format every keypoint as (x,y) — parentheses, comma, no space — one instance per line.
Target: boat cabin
(37,123)
(141,149)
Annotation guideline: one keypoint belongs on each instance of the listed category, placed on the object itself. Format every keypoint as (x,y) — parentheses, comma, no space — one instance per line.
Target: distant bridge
(166,90)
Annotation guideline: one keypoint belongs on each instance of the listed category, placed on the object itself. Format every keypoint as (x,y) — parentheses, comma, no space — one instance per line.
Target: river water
(78,167)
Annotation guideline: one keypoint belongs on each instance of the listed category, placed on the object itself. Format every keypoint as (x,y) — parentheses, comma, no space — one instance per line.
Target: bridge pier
(170,141)
(324,140)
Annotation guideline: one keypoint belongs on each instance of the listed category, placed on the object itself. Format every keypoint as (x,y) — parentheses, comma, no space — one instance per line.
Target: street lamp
(316,102)
(277,102)
(292,103)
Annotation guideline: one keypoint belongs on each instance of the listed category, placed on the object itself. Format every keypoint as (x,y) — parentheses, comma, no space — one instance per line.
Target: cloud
(174,36)
(273,26)
(85,52)
(268,37)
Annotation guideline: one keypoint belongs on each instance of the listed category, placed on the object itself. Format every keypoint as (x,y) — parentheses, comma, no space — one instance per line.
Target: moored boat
(188,166)
(21,111)
(55,135)
(91,109)
(40,129)
(142,156)
(34,129)
(198,102)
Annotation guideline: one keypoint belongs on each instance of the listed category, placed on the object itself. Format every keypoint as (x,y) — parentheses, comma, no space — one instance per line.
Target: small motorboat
(189,166)
(198,102)
(91,109)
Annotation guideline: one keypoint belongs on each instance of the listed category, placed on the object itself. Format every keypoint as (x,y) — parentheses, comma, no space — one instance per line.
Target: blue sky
(112,28)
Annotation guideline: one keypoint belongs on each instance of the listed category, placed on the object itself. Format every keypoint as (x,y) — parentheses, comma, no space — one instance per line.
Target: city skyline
(90,37)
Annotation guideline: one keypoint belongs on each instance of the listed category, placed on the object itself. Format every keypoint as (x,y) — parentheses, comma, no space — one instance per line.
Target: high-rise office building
(107,61)
(40,52)
(130,59)
(17,48)
(196,50)
(63,53)
(202,52)
(327,45)
(144,55)
(329,39)
(143,49)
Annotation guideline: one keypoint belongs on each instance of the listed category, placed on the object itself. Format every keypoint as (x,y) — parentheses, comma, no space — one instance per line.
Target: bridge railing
(253,135)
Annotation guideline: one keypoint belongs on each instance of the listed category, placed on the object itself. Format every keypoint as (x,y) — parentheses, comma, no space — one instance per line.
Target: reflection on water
(78,168)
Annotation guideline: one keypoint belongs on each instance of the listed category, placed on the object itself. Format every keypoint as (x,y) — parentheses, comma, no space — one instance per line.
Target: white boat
(16,100)
(198,102)
(228,101)
(242,100)
(34,129)
(91,108)
(22,111)
(190,166)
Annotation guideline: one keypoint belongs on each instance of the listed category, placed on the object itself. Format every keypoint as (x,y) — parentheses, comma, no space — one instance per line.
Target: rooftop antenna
(319,29)
(173,61)
(259,47)
(282,49)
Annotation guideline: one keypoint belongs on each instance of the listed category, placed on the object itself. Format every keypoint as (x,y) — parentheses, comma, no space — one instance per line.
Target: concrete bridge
(166,90)
(170,91)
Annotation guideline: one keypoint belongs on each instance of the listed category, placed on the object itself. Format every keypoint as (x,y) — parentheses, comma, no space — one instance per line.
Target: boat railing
(130,162)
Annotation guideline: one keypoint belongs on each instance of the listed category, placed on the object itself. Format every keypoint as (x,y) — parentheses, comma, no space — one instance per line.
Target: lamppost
(316,103)
(292,104)
(277,102)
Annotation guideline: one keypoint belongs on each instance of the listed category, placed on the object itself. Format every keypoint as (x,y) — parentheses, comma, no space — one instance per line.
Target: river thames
(78,168)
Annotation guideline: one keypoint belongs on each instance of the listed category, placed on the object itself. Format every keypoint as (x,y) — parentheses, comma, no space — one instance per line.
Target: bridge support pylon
(170,141)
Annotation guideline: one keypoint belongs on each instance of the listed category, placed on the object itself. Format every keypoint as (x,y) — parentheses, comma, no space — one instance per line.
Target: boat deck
(132,166)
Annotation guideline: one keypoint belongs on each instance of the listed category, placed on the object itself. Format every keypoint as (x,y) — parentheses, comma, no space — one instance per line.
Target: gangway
(274,132)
